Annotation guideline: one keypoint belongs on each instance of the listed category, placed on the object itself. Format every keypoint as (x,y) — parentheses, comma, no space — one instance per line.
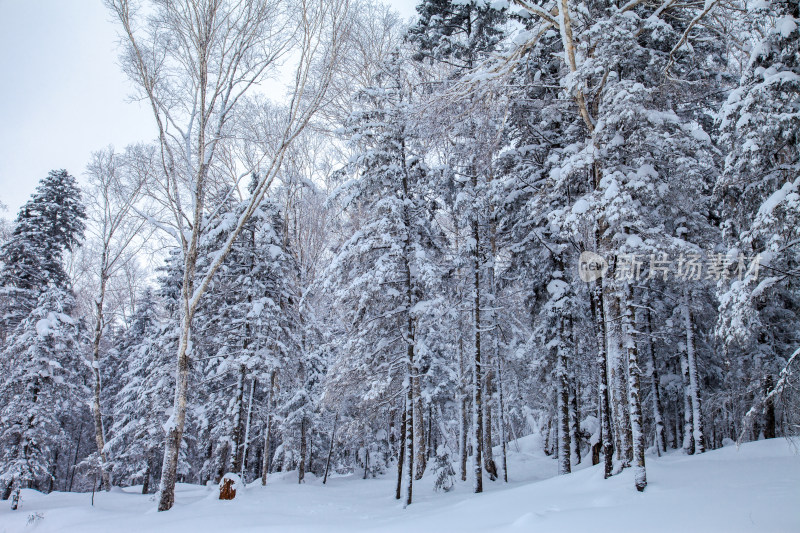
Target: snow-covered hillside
(752,488)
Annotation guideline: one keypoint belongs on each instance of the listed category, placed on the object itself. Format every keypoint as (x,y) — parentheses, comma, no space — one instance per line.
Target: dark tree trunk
(146,479)
(301,467)
(658,420)
(54,471)
(564,465)
(574,425)
(488,443)
(409,423)
(463,406)
(599,317)
(238,424)
(401,457)
(330,450)
(769,409)
(223,456)
(267,425)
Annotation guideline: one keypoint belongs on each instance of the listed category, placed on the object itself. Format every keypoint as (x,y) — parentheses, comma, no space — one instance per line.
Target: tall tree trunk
(599,318)
(488,396)
(401,456)
(419,430)
(769,408)
(238,422)
(267,425)
(574,425)
(75,459)
(176,423)
(502,418)
(658,420)
(53,472)
(301,467)
(97,413)
(330,450)
(366,460)
(694,379)
(619,367)
(634,398)
(409,437)
(146,479)
(676,427)
(477,381)
(247,429)
(463,422)
(688,432)
(562,393)
(223,457)
(15,495)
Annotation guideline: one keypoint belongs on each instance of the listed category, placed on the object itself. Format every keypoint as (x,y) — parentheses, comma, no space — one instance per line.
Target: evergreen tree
(135,437)
(41,392)
(385,273)
(48,225)
(760,195)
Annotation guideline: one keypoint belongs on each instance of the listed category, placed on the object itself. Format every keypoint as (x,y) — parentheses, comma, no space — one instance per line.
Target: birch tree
(116,235)
(194,64)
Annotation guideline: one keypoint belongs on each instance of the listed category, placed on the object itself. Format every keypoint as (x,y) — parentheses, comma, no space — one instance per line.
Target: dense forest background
(357,245)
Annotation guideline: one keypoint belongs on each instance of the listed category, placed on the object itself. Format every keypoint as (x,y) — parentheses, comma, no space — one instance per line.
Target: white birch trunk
(694,380)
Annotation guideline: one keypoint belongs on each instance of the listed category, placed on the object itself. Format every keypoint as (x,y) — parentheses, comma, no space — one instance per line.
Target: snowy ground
(753,488)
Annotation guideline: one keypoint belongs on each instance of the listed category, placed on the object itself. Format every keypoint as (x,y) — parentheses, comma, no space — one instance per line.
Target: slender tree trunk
(574,423)
(488,395)
(463,422)
(267,425)
(414,427)
(366,460)
(477,381)
(676,427)
(301,467)
(502,418)
(247,429)
(146,480)
(769,408)
(238,422)
(75,458)
(223,458)
(564,466)
(419,430)
(430,446)
(401,456)
(658,420)
(694,380)
(619,367)
(598,315)
(634,398)
(97,414)
(53,472)
(409,437)
(310,460)
(15,495)
(330,451)
(688,432)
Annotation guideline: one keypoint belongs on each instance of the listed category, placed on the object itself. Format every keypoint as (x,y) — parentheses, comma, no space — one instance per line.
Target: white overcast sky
(62,95)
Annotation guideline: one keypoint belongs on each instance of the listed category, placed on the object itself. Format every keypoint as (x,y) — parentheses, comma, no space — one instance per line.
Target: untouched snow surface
(752,488)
